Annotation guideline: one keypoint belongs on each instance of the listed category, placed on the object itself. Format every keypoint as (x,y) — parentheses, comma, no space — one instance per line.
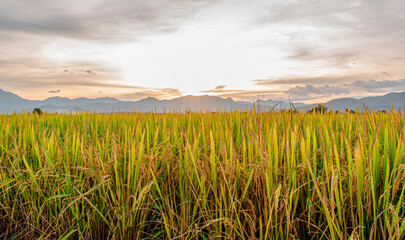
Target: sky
(302,50)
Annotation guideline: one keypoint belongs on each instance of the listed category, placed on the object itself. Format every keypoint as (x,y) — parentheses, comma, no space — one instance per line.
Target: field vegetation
(240,175)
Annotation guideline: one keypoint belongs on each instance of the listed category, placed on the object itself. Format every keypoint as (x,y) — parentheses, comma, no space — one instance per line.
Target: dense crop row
(235,175)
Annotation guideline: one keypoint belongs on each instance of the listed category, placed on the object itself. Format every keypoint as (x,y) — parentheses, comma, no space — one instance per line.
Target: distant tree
(37,111)
(383,111)
(337,111)
(349,110)
(320,109)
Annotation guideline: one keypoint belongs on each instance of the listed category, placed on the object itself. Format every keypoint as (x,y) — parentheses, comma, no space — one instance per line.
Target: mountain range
(10,103)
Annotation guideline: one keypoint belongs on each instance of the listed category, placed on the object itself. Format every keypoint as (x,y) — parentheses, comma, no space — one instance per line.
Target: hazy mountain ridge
(376,103)
(10,103)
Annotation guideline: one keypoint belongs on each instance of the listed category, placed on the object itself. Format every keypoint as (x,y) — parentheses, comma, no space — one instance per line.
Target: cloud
(378,86)
(54,91)
(296,93)
(36,40)
(161,93)
(330,58)
(49,24)
(321,80)
(96,20)
(303,90)
(345,43)
(310,91)
(332,35)
(240,94)
(35,75)
(220,87)
(357,87)
(217,89)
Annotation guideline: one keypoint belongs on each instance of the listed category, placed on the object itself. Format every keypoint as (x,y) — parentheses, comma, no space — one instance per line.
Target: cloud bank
(306,50)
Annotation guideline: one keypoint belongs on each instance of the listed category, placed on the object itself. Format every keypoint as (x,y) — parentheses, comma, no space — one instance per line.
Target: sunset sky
(308,50)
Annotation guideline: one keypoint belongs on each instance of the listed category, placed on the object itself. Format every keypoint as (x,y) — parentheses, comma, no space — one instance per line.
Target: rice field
(239,175)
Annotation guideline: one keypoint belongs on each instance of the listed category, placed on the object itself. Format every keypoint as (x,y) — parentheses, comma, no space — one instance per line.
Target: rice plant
(199,175)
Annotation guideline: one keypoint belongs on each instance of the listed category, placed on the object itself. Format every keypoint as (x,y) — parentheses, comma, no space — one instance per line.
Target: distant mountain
(372,103)
(10,103)
(8,97)
(186,103)
(277,104)
(343,103)
(13,103)
(60,101)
